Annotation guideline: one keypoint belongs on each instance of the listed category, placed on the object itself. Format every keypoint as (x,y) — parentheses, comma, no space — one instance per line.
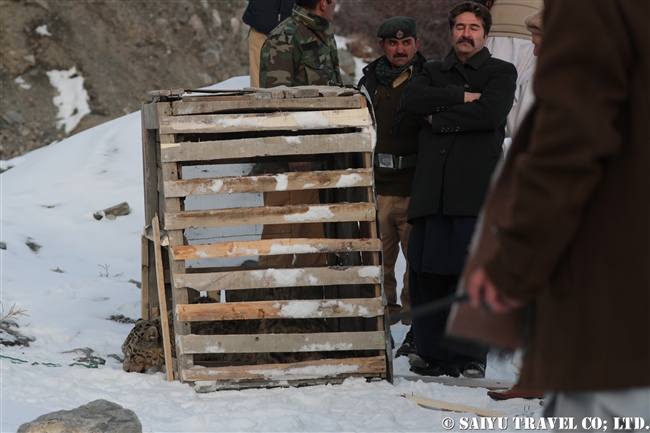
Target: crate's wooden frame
(166,120)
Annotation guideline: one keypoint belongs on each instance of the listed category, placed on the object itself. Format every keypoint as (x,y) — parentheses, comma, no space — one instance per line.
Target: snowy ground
(80,275)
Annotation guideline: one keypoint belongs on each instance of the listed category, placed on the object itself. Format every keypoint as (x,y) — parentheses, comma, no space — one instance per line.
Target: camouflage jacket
(300,51)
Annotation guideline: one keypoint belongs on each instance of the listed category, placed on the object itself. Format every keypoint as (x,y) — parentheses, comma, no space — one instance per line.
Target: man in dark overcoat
(464,100)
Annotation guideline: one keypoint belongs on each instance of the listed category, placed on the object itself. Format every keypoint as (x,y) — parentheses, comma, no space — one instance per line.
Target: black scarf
(386,76)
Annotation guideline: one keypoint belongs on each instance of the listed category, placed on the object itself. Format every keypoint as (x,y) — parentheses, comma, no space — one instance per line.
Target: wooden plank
(174,92)
(298,309)
(150,116)
(248,216)
(264,343)
(238,105)
(267,146)
(151,202)
(167,347)
(300,370)
(454,407)
(291,181)
(144,285)
(254,122)
(272,278)
(461,381)
(270,247)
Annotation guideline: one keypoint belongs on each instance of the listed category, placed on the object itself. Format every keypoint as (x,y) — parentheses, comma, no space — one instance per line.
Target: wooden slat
(292,181)
(221,105)
(298,309)
(454,407)
(303,120)
(144,285)
(272,278)
(375,365)
(264,343)
(267,146)
(248,216)
(271,247)
(160,282)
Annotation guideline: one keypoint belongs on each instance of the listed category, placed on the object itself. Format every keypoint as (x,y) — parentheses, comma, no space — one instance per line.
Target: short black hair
(310,4)
(480,11)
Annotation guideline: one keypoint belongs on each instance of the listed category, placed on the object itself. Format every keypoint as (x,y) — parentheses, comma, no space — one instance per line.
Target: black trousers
(429,331)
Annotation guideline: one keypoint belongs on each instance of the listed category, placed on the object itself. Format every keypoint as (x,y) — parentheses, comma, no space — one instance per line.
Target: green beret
(397,27)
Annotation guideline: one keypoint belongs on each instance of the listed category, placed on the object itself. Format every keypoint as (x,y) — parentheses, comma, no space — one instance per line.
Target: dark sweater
(265,15)
(388,181)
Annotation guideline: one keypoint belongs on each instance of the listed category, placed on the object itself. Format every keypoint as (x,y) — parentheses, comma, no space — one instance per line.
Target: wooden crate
(208,160)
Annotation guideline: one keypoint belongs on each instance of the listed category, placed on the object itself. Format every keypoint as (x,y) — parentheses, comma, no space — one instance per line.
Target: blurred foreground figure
(566,227)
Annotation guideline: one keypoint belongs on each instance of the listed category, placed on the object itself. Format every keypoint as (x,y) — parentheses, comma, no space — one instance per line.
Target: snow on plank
(273,278)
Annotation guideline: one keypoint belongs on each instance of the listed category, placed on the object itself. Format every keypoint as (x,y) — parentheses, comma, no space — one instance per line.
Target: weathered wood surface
(270,247)
(144,285)
(234,104)
(267,146)
(302,120)
(375,365)
(160,282)
(150,116)
(454,407)
(166,92)
(248,216)
(265,343)
(297,309)
(291,181)
(272,278)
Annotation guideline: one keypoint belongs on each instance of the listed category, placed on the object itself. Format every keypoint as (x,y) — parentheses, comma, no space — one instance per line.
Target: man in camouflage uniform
(301,51)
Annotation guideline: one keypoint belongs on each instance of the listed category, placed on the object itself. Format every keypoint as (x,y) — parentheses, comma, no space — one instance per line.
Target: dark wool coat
(265,15)
(567,223)
(460,148)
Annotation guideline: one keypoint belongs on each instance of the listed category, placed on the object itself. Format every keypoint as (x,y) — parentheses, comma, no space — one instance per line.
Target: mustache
(465,39)
(400,55)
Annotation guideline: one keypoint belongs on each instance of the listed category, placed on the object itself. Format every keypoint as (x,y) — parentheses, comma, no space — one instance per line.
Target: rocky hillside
(121,49)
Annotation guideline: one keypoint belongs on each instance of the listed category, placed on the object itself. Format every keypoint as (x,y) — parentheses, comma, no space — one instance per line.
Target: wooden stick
(444,405)
(162,299)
